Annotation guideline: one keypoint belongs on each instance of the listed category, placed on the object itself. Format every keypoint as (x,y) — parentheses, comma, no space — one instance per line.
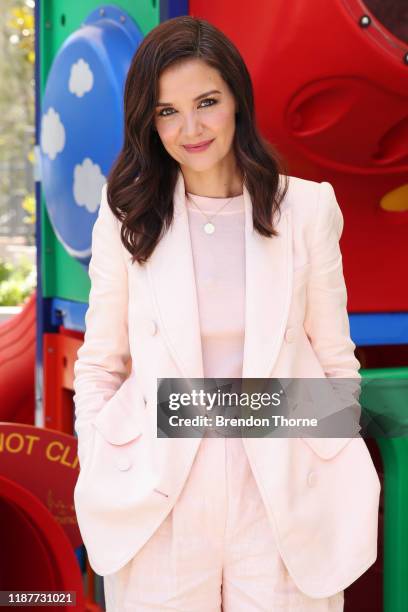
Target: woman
(211,263)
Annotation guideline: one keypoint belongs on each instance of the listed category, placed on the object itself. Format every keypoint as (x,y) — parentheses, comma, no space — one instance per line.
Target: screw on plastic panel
(365,21)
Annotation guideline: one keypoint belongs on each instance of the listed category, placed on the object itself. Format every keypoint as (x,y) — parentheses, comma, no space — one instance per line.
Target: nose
(191,127)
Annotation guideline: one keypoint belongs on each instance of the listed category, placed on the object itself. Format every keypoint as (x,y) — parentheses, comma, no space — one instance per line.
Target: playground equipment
(330,94)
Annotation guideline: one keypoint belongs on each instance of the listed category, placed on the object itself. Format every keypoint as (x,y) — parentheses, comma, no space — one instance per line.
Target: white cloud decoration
(81,78)
(52,133)
(87,187)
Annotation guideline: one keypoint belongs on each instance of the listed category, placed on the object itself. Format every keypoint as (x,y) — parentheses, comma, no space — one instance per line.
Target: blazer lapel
(267,292)
(172,281)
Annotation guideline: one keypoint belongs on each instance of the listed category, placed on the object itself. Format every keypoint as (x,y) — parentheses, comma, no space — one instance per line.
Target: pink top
(219,264)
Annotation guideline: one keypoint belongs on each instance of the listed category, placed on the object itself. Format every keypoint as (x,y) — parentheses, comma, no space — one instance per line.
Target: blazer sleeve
(326,322)
(101,365)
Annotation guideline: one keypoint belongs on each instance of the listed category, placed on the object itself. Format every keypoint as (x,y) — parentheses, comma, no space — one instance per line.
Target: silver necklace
(208,227)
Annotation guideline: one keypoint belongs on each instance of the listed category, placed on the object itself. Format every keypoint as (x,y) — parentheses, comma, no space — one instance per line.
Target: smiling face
(184,116)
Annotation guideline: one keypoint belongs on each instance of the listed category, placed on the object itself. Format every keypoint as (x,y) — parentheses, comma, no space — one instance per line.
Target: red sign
(45,462)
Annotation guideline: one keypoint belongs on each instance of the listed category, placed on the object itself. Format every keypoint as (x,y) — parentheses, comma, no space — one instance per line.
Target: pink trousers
(215,550)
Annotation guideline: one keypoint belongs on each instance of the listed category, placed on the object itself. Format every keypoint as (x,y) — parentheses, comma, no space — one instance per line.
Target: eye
(210,100)
(163,114)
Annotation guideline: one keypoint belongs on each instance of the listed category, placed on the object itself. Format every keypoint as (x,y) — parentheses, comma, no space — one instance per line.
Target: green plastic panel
(63,276)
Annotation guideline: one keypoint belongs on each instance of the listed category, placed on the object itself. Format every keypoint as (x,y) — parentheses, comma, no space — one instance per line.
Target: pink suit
(321,497)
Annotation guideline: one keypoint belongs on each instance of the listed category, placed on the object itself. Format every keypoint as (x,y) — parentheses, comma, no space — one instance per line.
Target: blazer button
(290,334)
(123,463)
(312,479)
(152,327)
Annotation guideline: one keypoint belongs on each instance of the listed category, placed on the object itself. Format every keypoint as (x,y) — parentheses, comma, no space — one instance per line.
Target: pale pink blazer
(321,494)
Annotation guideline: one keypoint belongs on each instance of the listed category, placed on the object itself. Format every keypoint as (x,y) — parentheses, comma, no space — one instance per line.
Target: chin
(200,167)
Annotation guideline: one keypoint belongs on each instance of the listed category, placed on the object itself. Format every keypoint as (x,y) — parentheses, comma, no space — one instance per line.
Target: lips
(199,145)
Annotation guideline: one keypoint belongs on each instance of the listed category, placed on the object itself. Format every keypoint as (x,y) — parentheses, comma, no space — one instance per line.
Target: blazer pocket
(120,420)
(326,448)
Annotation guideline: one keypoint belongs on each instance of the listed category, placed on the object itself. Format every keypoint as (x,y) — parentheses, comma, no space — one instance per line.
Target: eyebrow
(203,95)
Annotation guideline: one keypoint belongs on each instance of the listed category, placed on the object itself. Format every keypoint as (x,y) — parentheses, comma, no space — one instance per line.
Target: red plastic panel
(331,95)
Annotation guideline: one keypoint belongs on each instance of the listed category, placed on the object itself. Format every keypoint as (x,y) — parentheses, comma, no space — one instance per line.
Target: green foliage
(17,282)
(17,106)
(29,205)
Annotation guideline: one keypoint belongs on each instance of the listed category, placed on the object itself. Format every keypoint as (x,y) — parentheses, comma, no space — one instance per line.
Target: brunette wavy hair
(142,179)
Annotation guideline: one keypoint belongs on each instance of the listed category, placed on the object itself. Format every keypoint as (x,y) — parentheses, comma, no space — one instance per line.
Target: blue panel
(366,329)
(69,314)
(172,8)
(379,328)
(82,122)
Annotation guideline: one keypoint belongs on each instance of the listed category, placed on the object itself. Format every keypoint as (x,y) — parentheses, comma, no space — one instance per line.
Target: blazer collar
(267,293)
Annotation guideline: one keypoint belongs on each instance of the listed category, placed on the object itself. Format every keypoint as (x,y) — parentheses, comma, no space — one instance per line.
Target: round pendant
(209,228)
